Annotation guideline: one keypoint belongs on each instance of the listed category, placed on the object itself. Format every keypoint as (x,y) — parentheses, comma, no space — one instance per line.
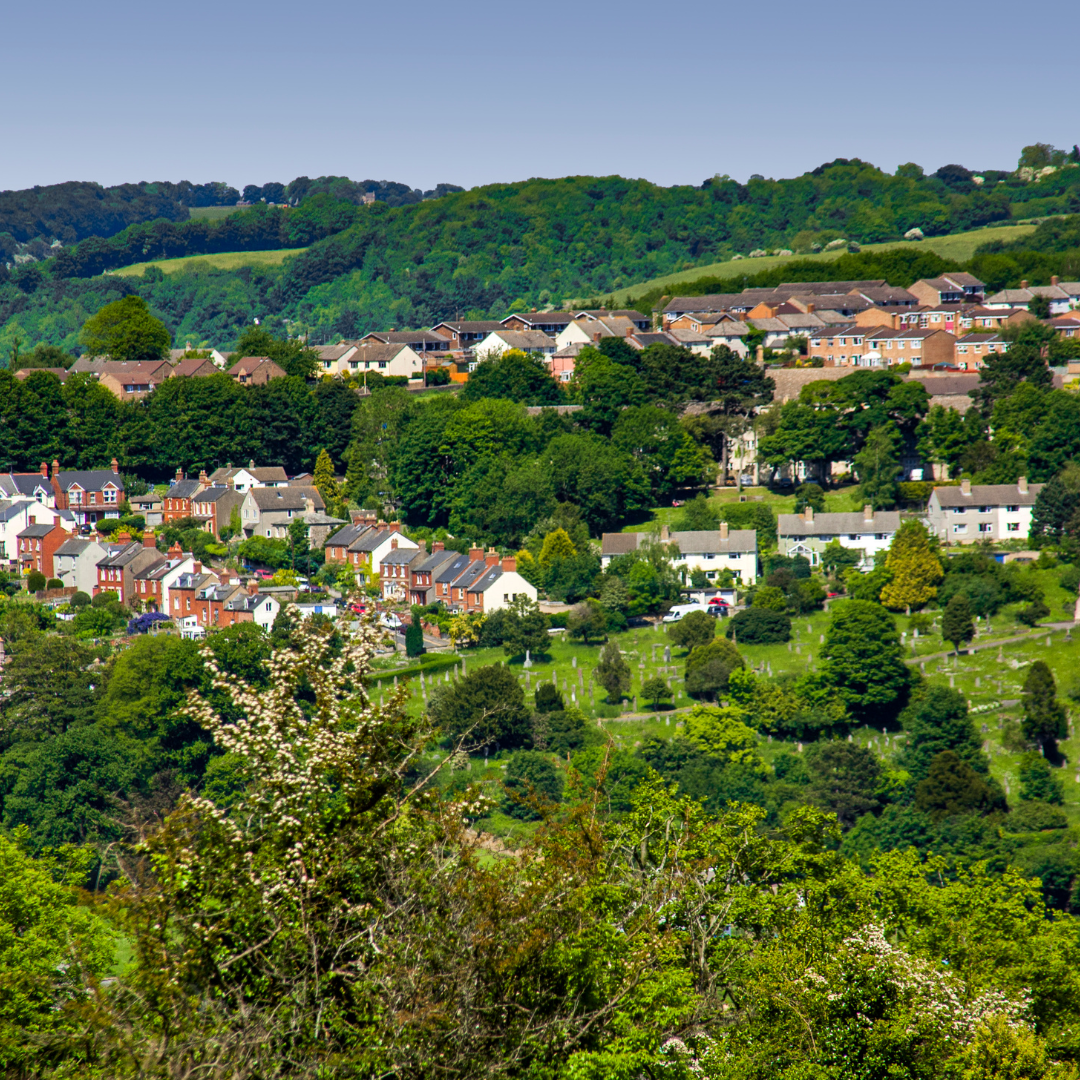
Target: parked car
(681,610)
(264,575)
(719,609)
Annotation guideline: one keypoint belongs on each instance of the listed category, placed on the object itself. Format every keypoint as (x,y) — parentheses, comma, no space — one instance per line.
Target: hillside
(223,260)
(540,243)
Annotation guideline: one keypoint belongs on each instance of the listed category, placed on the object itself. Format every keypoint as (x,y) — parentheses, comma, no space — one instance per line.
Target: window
(985,528)
(958,509)
(76,496)
(110,495)
(733,555)
(985,509)
(881,536)
(853,536)
(1013,526)
(382,363)
(959,528)
(1012,509)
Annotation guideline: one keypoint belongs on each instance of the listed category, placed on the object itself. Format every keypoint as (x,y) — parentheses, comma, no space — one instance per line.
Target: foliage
(708,668)
(515,376)
(486,706)
(612,672)
(953,787)
(937,720)
(844,780)
(125,330)
(693,629)
(877,465)
(956,624)
(862,656)
(414,637)
(588,618)
(915,567)
(1037,781)
(655,690)
(531,781)
(759,626)
(1044,716)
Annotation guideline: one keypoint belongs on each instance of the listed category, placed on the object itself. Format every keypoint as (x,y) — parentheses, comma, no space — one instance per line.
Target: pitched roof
(405,337)
(402,555)
(851,523)
(451,571)
(32,531)
(193,366)
(24,373)
(268,499)
(987,495)
(212,494)
(620,543)
(344,537)
(526,340)
(472,326)
(695,304)
(248,365)
(272,474)
(75,547)
(379,352)
(90,479)
(435,560)
(711,542)
(487,579)
(820,288)
(542,318)
(183,489)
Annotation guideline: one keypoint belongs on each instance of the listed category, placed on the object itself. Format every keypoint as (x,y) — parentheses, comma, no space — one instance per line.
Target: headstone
(821,639)
(800,748)
(528,659)
(573,661)
(395,680)
(1001,655)
(985,728)
(667,721)
(952,679)
(464,670)
(978,681)
(850,737)
(667,654)
(915,633)
(789,646)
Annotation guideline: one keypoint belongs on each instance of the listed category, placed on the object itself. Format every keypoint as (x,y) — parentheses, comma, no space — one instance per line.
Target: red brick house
(37,543)
(177,502)
(116,572)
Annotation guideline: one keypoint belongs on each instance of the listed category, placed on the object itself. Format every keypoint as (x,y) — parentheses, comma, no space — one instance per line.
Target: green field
(212,213)
(225,260)
(959,246)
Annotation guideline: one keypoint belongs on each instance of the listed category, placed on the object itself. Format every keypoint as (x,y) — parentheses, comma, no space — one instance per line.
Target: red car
(264,575)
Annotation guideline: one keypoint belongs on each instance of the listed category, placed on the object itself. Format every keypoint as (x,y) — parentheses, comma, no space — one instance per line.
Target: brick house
(89,495)
(38,543)
(497,586)
(364,546)
(177,503)
(465,333)
(186,605)
(194,367)
(424,571)
(255,371)
(948,289)
(971,350)
(133,380)
(396,570)
(126,558)
(214,507)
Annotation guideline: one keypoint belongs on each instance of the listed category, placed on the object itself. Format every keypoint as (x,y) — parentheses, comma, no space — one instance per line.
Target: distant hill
(483,252)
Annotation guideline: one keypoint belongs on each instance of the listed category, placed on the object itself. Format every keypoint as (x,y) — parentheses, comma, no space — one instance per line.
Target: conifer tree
(325,481)
(613,673)
(916,569)
(1044,715)
(557,545)
(956,625)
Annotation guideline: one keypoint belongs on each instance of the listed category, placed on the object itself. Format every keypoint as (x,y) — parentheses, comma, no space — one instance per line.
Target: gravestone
(667,654)
(528,659)
(573,661)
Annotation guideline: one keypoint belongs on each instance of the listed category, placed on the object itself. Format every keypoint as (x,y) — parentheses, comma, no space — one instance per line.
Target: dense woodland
(483,252)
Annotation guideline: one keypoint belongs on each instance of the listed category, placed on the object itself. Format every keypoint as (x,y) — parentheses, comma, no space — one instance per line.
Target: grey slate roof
(449,573)
(74,547)
(32,531)
(849,523)
(487,580)
(711,542)
(988,495)
(183,489)
(401,555)
(344,537)
(273,474)
(270,499)
(90,480)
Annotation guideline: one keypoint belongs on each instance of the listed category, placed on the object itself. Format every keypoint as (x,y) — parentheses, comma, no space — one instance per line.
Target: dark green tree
(655,690)
(1037,781)
(694,629)
(1055,505)
(709,666)
(548,699)
(952,787)
(531,781)
(525,628)
(957,626)
(863,660)
(125,330)
(49,686)
(486,706)
(1044,716)
(289,353)
(613,673)
(844,780)
(877,466)
(587,619)
(515,376)
(414,637)
(759,626)
(936,721)
(1023,362)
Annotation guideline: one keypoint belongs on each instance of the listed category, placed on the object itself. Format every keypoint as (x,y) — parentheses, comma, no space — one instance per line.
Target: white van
(679,610)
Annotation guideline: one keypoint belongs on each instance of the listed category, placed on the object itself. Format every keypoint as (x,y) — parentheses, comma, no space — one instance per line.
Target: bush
(709,666)
(35,581)
(530,775)
(54,583)
(759,626)
(79,600)
(1034,816)
(104,599)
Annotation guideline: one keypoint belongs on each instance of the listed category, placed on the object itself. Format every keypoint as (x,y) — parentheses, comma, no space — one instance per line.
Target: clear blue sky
(479,92)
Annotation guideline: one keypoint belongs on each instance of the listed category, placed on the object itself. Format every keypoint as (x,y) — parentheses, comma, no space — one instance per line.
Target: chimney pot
(509,564)
(395,526)
(148,539)
(55,468)
(393,545)
(115,466)
(1023,284)
(1054,279)
(476,554)
(811,308)
(1022,485)
(44,467)
(491,558)
(965,486)
(253,586)
(665,533)
(251,463)
(197,568)
(179,475)
(203,478)
(438,545)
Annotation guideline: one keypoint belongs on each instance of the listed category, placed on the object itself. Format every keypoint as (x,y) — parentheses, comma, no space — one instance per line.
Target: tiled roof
(183,489)
(344,537)
(851,523)
(32,531)
(988,495)
(711,542)
(285,498)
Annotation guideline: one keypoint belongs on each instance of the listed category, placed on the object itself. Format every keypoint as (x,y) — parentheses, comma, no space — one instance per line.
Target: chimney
(123,537)
(808,513)
(229,482)
(491,558)
(476,554)
(723,530)
(380,524)
(394,526)
(811,308)
(32,519)
(965,487)
(44,467)
(253,586)
(868,514)
(1022,485)
(251,463)
(148,539)
(393,545)
(437,546)
(115,466)
(179,475)
(1023,284)
(203,478)
(197,568)
(309,505)
(509,564)
(665,534)
(176,551)
(761,354)
(596,336)
(1054,279)
(55,469)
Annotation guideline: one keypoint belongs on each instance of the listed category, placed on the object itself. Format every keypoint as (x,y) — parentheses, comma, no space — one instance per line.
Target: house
(971,350)
(639,319)
(920,348)
(215,506)
(587,330)
(151,506)
(123,560)
(423,572)
(701,344)
(528,341)
(448,573)
(132,380)
(194,367)
(16,515)
(24,373)
(89,495)
(1063,296)
(177,501)
(396,570)
(497,586)
(1067,326)
(364,546)
(256,371)
(809,534)
(948,289)
(711,551)
(246,478)
(420,341)
(75,563)
(678,306)
(386,358)
(550,323)
(270,511)
(220,360)
(37,545)
(562,362)
(334,359)
(970,513)
(252,606)
(465,333)
(187,608)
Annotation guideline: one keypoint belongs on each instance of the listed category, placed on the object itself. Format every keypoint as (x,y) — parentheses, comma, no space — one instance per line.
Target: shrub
(35,581)
(54,583)
(104,599)
(1035,815)
(759,626)
(530,775)
(709,666)
(79,600)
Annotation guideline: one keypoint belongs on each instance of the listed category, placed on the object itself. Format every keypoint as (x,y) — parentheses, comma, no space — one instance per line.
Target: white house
(586,330)
(497,586)
(711,551)
(809,533)
(334,359)
(17,515)
(384,359)
(971,513)
(528,341)
(246,478)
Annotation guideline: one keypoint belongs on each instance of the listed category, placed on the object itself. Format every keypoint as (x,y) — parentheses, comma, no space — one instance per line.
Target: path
(1031,635)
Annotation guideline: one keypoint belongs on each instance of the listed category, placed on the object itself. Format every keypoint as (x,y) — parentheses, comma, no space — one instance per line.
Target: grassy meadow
(224,260)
